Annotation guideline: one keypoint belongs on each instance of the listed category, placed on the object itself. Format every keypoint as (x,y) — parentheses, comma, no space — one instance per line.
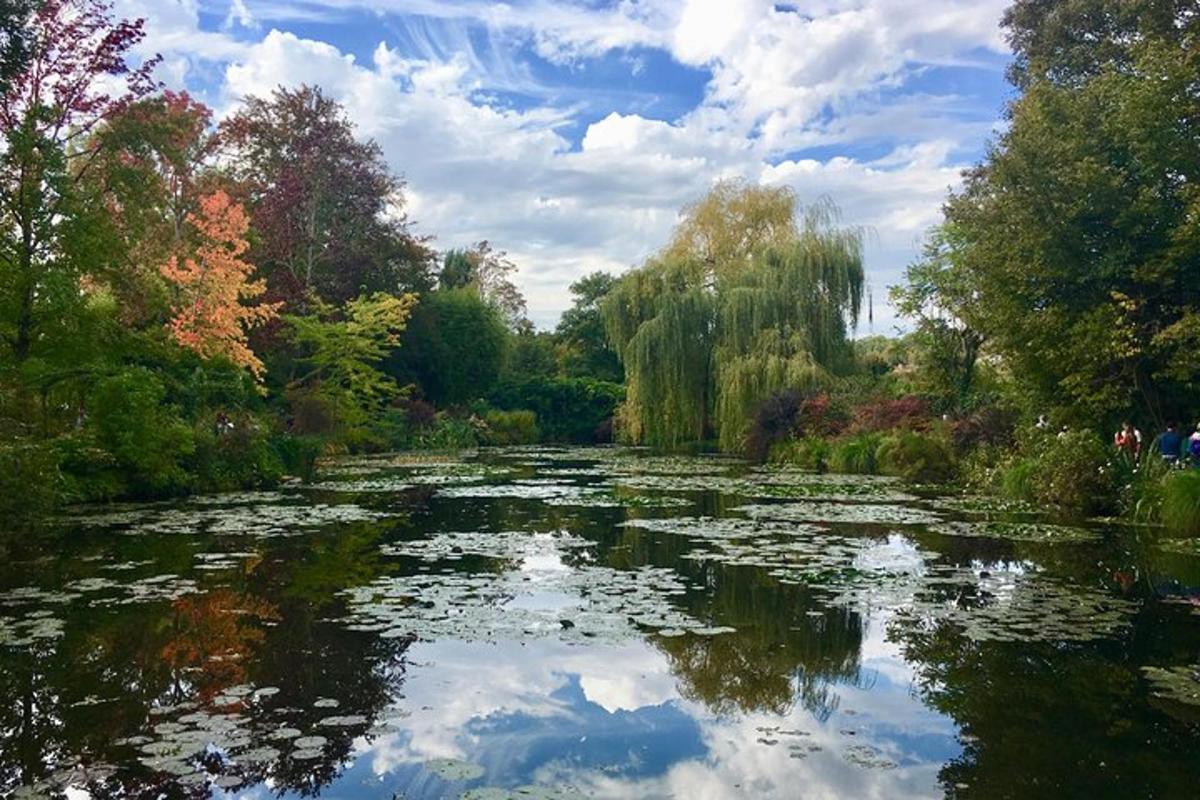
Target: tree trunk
(1149,393)
(23,337)
(972,342)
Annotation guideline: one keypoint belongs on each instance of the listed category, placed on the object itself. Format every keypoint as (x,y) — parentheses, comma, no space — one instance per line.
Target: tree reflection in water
(211,654)
(214,675)
(785,648)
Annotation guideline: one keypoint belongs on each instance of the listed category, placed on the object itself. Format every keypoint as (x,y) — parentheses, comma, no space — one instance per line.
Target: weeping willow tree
(660,322)
(707,333)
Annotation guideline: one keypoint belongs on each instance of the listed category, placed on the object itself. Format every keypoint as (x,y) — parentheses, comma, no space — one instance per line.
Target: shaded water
(595,623)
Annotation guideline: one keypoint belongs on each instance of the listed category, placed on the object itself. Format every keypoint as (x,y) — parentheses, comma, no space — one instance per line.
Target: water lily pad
(454,770)
(307,755)
(309,742)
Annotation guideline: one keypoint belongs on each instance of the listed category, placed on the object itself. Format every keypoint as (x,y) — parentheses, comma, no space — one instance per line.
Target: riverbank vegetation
(1062,286)
(193,305)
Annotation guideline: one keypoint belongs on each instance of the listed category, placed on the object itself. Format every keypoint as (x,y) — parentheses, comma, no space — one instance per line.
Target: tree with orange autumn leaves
(211,316)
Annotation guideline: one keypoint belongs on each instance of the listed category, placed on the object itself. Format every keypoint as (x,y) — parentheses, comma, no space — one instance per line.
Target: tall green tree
(531,354)
(15,28)
(939,295)
(1079,229)
(56,99)
(489,273)
(1069,42)
(708,332)
(454,348)
(584,348)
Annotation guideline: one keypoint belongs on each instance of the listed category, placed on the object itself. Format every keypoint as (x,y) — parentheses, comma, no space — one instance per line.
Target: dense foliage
(568,409)
(189,307)
(1074,245)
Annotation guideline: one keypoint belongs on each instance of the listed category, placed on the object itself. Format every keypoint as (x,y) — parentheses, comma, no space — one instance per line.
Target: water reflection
(498,627)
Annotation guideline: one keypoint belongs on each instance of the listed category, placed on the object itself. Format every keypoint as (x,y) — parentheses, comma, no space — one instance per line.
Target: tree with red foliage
(210,317)
(326,207)
(51,106)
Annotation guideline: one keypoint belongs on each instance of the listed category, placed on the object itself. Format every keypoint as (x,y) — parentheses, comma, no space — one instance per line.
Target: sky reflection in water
(461,635)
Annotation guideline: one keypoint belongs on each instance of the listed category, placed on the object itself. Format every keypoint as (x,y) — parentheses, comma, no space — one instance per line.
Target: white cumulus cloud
(564,197)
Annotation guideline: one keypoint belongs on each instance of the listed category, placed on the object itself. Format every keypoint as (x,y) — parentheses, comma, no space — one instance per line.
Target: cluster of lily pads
(1016,604)
(523,793)
(454,770)
(231,741)
(511,546)
(559,492)
(252,520)
(1040,532)
(22,632)
(386,477)
(582,603)
(862,513)
(1179,684)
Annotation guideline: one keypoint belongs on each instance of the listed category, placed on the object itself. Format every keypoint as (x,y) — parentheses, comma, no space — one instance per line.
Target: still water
(563,623)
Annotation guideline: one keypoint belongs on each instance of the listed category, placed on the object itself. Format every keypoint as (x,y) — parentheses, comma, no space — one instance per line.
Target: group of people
(1173,446)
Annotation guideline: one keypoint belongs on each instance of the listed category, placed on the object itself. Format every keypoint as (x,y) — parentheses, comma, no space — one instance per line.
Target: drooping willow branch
(705,343)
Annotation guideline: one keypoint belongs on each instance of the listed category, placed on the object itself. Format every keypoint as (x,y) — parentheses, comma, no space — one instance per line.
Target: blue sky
(570,133)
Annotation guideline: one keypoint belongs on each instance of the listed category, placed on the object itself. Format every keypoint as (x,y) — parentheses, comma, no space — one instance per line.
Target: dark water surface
(552,623)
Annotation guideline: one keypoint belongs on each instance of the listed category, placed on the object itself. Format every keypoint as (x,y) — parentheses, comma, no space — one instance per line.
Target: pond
(564,623)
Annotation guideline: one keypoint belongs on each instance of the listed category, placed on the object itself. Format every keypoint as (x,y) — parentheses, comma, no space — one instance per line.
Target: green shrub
(1143,490)
(390,429)
(89,472)
(1073,472)
(452,433)
(568,409)
(239,456)
(313,413)
(980,469)
(811,452)
(511,427)
(30,482)
(1181,503)
(1018,479)
(298,454)
(856,455)
(915,456)
(144,434)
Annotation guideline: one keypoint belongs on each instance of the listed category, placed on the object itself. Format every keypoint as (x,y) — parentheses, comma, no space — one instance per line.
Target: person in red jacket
(1128,441)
